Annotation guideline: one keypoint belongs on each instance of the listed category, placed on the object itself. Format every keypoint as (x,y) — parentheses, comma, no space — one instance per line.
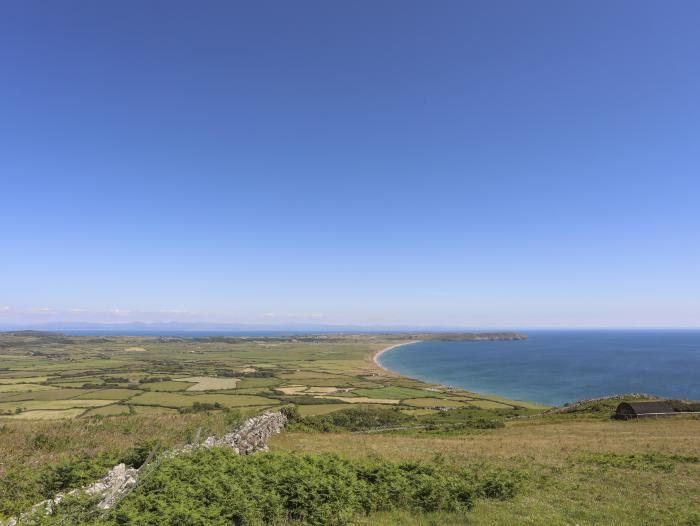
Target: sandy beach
(377,354)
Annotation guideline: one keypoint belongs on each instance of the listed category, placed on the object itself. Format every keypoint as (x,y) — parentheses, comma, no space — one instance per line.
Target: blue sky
(451,163)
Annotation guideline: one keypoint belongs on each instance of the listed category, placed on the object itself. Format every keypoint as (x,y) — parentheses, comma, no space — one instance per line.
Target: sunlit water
(555,367)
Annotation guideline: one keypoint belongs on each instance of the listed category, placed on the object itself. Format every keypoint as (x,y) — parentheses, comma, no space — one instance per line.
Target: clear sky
(461,163)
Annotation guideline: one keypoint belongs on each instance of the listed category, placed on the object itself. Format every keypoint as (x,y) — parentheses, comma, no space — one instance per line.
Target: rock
(252,435)
(118,482)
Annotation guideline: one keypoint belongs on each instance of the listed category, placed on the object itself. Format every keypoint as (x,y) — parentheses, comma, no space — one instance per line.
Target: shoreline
(377,354)
(486,396)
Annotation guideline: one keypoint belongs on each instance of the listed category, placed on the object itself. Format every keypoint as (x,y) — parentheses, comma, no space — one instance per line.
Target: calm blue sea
(554,367)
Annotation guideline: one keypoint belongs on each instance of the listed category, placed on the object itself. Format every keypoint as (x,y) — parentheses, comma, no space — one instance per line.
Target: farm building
(628,410)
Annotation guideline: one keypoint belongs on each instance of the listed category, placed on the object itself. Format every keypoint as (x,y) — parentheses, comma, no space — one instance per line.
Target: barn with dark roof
(628,410)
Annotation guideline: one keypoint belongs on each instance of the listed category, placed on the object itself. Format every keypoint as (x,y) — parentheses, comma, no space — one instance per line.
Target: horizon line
(329,327)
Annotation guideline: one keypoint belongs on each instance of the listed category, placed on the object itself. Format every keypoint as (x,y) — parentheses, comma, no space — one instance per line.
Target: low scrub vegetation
(366,418)
(218,487)
(352,419)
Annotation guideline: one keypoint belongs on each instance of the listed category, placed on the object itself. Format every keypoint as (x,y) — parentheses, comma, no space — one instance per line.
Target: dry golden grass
(28,380)
(23,388)
(209,383)
(362,399)
(321,390)
(291,389)
(53,404)
(560,487)
(89,436)
(545,442)
(304,389)
(47,414)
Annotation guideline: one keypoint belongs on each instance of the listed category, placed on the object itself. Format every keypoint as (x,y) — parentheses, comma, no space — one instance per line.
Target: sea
(555,367)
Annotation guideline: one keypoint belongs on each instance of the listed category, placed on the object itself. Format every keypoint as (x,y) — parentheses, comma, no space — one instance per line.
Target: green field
(434,402)
(399,393)
(77,405)
(167,386)
(176,400)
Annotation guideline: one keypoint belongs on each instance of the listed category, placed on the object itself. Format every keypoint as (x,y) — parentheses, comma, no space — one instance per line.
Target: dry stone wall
(250,437)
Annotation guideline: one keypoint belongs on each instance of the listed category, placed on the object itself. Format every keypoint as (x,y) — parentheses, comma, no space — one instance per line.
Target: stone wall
(250,437)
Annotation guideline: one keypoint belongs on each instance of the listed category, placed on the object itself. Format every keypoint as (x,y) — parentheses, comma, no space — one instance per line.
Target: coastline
(489,397)
(377,354)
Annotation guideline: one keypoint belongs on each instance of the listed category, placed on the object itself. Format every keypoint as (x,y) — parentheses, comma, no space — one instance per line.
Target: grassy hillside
(71,407)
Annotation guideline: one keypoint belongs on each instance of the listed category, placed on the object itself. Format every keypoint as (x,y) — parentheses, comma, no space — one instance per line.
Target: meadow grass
(47,414)
(110,394)
(258,382)
(182,400)
(574,472)
(399,393)
(208,383)
(433,402)
(108,410)
(362,399)
(177,385)
(26,380)
(50,395)
(23,388)
(316,410)
(54,404)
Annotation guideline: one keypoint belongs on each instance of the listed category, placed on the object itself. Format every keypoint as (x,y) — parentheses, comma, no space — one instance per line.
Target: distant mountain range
(165,327)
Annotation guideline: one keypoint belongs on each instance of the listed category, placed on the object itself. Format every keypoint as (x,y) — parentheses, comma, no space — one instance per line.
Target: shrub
(359,419)
(73,473)
(139,453)
(217,487)
(291,412)
(501,485)
(155,379)
(200,407)
(305,400)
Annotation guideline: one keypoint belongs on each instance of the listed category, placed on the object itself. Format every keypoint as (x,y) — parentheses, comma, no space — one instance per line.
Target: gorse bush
(218,487)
